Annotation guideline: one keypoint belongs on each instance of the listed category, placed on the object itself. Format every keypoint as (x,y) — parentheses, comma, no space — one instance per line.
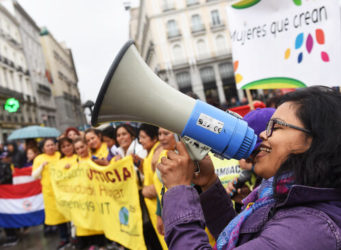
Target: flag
(22,204)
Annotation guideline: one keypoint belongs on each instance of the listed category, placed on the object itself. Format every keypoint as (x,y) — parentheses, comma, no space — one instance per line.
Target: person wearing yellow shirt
(86,237)
(68,158)
(148,137)
(168,142)
(40,169)
(99,150)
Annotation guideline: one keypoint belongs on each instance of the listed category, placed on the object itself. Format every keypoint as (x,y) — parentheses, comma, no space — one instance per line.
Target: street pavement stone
(33,239)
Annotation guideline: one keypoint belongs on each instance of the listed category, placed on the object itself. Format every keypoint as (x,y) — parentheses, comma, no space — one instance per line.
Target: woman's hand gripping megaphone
(179,169)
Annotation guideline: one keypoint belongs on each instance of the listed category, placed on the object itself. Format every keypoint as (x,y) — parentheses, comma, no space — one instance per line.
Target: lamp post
(89,104)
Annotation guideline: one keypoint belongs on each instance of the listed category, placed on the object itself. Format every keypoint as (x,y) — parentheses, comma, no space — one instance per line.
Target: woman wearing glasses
(298,204)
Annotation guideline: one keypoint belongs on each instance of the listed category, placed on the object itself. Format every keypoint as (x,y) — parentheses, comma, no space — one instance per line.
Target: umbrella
(33,132)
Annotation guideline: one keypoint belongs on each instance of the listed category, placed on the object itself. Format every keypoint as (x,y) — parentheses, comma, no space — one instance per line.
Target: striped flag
(21,204)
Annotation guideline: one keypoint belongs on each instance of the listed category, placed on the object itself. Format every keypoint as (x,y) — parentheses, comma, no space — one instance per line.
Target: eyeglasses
(273,122)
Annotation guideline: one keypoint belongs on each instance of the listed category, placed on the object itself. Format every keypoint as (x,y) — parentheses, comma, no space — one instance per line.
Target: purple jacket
(310,218)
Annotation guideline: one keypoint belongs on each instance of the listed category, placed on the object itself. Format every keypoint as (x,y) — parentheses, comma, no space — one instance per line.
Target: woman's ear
(305,146)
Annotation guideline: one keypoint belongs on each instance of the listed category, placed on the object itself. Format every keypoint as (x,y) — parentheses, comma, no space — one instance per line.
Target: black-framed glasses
(273,122)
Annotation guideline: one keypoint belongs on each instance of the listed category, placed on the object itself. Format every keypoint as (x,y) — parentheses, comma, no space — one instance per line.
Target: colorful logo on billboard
(308,42)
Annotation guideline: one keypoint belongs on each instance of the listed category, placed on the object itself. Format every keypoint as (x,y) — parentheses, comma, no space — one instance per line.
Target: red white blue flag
(21,204)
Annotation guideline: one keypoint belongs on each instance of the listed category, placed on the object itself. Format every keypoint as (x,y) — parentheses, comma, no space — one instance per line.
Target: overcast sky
(94,30)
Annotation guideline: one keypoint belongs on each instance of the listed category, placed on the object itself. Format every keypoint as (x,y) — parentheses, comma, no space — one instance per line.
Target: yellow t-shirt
(52,215)
(102,152)
(72,160)
(157,182)
(151,203)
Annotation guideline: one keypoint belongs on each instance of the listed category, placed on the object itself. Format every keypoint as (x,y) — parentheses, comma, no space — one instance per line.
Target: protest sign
(285,44)
(101,198)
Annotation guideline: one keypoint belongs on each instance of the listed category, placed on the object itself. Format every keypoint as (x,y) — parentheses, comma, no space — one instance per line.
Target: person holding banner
(40,169)
(108,134)
(86,237)
(99,149)
(68,158)
(128,144)
(300,162)
(81,149)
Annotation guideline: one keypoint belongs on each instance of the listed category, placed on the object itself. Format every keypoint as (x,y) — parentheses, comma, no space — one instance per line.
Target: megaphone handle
(190,151)
(197,169)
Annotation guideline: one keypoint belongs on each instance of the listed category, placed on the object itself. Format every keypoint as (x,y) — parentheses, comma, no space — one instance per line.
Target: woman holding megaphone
(300,161)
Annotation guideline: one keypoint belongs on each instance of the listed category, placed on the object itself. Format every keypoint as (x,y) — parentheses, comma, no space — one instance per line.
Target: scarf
(259,197)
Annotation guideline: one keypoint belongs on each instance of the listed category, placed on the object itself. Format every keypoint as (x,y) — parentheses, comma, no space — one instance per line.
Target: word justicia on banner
(101,198)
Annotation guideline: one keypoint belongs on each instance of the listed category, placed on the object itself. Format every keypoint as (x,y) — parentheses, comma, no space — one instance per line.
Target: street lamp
(89,104)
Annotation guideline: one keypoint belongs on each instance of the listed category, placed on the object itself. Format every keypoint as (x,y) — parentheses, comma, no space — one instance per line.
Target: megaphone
(132,92)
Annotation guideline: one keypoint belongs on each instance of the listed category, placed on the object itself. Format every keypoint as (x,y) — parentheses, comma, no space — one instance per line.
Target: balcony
(45,90)
(168,7)
(191,2)
(198,29)
(14,42)
(20,69)
(204,56)
(173,34)
(5,60)
(217,25)
(11,63)
(180,63)
(223,53)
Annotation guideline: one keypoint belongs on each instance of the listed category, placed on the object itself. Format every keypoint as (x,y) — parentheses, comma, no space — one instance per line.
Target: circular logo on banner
(27,205)
(124,216)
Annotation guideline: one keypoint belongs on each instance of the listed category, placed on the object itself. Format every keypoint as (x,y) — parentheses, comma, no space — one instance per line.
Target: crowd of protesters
(266,211)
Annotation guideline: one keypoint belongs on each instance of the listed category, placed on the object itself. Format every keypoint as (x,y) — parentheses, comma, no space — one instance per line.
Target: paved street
(33,239)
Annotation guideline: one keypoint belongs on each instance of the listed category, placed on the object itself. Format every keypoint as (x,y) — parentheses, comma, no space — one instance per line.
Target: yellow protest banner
(101,198)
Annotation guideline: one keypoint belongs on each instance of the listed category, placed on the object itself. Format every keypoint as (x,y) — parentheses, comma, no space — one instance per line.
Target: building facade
(187,43)
(15,79)
(30,34)
(62,74)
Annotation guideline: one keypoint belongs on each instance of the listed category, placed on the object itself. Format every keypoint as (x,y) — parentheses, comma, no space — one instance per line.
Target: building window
(201,48)
(197,25)
(178,54)
(168,5)
(227,77)
(184,81)
(191,2)
(172,29)
(226,70)
(221,44)
(210,88)
(215,18)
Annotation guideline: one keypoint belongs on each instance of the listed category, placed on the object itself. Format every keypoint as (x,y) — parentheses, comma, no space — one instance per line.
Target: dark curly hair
(60,144)
(319,109)
(150,130)
(127,127)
